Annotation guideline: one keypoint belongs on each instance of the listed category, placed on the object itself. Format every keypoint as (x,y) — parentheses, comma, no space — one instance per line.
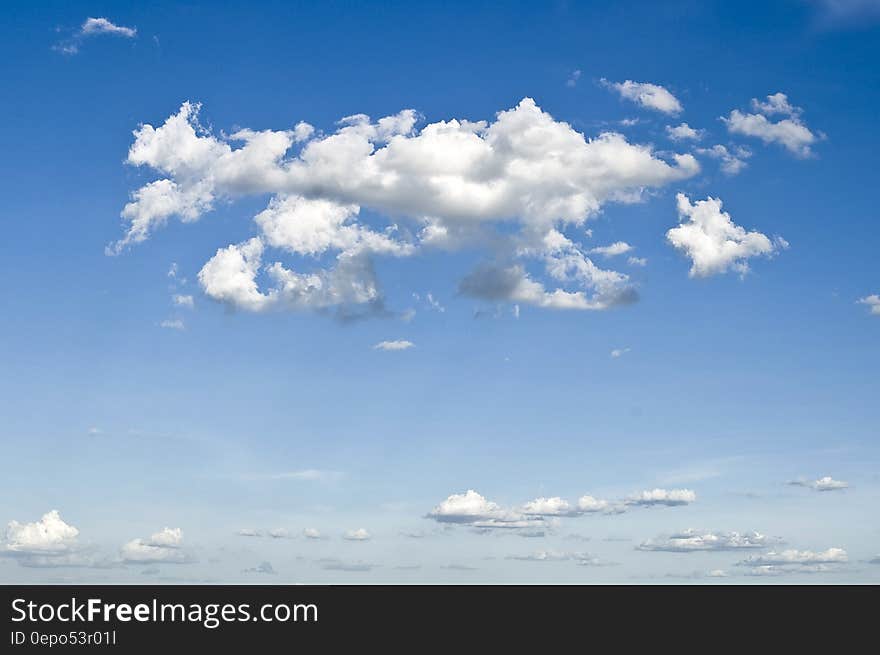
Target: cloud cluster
(683,132)
(361,534)
(713,242)
(473,509)
(647,95)
(451,183)
(790,132)
(692,540)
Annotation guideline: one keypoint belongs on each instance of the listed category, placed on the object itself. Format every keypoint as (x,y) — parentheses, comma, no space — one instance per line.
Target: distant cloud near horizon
(400,344)
(826,483)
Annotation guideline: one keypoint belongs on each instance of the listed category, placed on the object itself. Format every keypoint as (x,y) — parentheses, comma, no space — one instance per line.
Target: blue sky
(206,357)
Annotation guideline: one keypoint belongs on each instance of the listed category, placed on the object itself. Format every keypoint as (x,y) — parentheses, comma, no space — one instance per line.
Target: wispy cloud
(93,27)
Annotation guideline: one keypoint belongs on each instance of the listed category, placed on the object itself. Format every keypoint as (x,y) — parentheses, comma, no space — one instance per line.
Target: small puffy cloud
(732,163)
(172,324)
(249,532)
(357,535)
(873,303)
(691,540)
(165,546)
(790,132)
(619,352)
(92,27)
(312,533)
(637,261)
(667,497)
(645,94)
(263,567)
(181,300)
(279,533)
(399,344)
(465,508)
(616,248)
(826,483)
(683,132)
(713,242)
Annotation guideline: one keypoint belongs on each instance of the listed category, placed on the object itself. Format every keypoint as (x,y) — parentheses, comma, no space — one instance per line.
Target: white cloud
(48,536)
(564,261)
(713,242)
(670,497)
(312,533)
(695,540)
(619,352)
(172,324)
(616,248)
(797,557)
(471,508)
(683,132)
(181,300)
(873,303)
(776,103)
(450,182)
(790,132)
(164,546)
(93,27)
(49,543)
(731,163)
(230,277)
(399,344)
(650,96)
(637,261)
(572,80)
(826,483)
(357,535)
